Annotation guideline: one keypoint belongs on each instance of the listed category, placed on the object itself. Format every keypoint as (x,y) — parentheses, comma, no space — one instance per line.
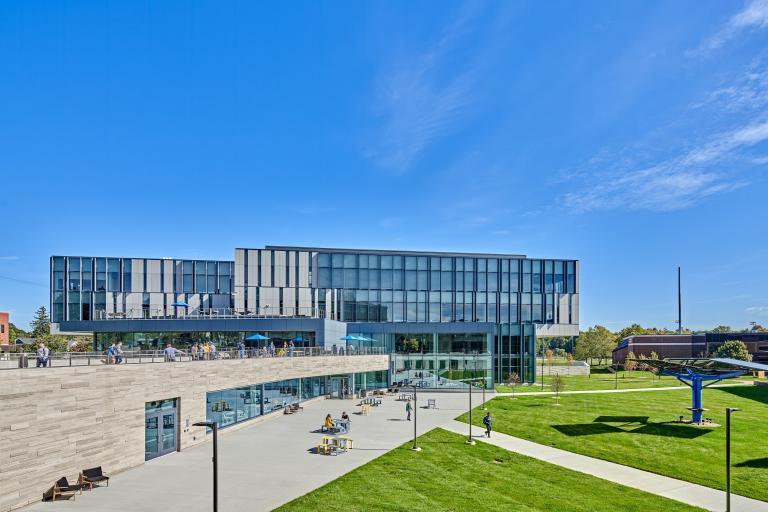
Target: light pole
(542,367)
(728,412)
(415,418)
(482,380)
(212,426)
(469,440)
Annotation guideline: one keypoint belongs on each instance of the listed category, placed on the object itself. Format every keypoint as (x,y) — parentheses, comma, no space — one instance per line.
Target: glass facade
(89,288)
(520,296)
(235,405)
(182,340)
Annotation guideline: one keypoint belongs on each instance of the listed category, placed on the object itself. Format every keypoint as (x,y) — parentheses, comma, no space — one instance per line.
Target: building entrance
(160,428)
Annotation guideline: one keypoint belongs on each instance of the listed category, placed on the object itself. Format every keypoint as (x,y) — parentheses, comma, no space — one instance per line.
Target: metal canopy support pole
(696,409)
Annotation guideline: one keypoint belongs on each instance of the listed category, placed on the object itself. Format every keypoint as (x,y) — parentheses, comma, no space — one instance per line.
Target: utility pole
(679,305)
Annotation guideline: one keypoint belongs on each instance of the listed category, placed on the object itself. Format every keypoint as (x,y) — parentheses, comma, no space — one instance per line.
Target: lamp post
(482,379)
(542,367)
(728,412)
(415,418)
(469,440)
(212,425)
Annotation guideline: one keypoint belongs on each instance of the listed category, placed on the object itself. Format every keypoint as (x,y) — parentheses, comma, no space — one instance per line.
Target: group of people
(202,351)
(344,422)
(115,354)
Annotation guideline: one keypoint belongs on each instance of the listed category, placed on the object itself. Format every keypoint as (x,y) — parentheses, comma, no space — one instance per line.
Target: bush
(733,349)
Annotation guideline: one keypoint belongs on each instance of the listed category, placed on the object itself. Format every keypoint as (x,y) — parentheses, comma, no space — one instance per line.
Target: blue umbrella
(180,304)
(299,339)
(256,337)
(350,338)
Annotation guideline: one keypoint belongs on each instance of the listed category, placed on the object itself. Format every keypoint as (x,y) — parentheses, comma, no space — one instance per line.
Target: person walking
(41,356)
(488,422)
(213,351)
(241,349)
(193,351)
(291,347)
(170,353)
(408,409)
(271,349)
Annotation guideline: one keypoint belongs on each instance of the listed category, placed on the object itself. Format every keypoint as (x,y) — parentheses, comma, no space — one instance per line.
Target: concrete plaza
(265,465)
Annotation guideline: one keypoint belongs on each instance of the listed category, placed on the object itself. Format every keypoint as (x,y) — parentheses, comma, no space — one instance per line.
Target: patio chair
(63,489)
(93,476)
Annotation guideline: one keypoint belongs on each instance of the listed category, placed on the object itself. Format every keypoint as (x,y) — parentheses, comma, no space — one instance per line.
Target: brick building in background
(4,335)
(689,345)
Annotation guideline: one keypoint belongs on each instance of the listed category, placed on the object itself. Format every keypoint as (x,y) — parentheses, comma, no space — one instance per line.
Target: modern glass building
(444,316)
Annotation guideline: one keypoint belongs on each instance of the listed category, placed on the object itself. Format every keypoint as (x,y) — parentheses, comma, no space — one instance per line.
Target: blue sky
(630,135)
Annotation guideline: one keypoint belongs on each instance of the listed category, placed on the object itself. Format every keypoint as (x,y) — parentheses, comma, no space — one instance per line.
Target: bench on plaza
(63,489)
(93,476)
(431,403)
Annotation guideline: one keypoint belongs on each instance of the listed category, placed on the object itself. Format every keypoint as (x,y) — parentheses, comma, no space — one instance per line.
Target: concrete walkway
(591,391)
(264,465)
(686,492)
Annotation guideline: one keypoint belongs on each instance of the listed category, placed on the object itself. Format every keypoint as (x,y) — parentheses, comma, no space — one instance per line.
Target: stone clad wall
(56,421)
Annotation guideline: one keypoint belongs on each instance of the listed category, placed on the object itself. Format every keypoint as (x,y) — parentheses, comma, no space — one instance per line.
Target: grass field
(604,380)
(636,429)
(451,476)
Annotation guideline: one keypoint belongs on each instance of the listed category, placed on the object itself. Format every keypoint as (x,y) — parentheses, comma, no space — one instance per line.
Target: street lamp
(212,425)
(415,417)
(469,440)
(728,412)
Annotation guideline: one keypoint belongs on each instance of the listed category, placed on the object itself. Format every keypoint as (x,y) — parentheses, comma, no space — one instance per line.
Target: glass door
(160,428)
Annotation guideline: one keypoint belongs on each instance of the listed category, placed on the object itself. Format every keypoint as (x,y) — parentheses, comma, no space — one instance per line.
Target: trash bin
(23,360)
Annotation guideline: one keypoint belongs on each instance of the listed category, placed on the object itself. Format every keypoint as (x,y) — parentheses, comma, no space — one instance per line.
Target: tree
(722,328)
(513,380)
(632,330)
(569,358)
(41,325)
(550,355)
(557,386)
(594,343)
(629,362)
(733,349)
(15,333)
(411,345)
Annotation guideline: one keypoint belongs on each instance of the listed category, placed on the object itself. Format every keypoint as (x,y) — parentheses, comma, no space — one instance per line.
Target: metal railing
(184,313)
(12,361)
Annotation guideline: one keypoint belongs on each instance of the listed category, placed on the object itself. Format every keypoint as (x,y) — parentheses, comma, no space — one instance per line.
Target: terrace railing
(190,313)
(11,361)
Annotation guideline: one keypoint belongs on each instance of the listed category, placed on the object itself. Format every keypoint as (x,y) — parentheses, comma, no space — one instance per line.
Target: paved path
(697,495)
(590,391)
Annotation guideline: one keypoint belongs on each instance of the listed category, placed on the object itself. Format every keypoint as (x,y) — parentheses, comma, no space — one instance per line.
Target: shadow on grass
(655,429)
(757,393)
(621,419)
(586,429)
(753,463)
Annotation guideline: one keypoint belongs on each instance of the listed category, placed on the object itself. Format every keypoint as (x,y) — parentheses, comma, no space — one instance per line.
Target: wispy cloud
(753,15)
(421,97)
(9,258)
(757,310)
(671,172)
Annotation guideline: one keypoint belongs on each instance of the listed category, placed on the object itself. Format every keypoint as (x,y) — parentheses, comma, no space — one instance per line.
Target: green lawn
(604,380)
(451,476)
(635,429)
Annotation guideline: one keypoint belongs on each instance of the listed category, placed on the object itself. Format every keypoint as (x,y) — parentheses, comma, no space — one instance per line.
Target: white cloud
(9,258)
(757,310)
(421,96)
(672,184)
(753,15)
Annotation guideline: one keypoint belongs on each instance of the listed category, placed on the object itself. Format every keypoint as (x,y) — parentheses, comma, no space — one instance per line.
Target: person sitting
(345,416)
(328,425)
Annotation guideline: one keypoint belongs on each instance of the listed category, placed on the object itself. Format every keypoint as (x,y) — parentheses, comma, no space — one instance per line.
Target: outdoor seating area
(88,479)
(293,408)
(334,445)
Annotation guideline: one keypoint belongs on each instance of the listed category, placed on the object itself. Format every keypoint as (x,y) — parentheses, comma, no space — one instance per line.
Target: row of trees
(41,331)
(596,343)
